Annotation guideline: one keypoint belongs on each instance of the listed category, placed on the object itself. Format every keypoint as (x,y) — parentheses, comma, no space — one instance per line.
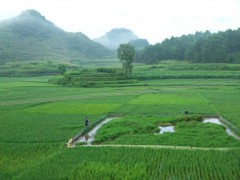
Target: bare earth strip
(164,147)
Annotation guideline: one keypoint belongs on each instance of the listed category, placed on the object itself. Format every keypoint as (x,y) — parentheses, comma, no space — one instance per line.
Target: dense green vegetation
(109,76)
(43,68)
(37,118)
(33,68)
(96,77)
(184,70)
(200,47)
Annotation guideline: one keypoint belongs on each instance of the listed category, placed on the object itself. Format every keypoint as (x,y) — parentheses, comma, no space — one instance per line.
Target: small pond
(164,129)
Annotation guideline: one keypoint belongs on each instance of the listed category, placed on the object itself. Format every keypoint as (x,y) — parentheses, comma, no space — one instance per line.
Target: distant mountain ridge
(115,37)
(30,36)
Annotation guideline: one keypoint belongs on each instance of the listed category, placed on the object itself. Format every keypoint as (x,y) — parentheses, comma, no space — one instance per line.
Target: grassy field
(37,118)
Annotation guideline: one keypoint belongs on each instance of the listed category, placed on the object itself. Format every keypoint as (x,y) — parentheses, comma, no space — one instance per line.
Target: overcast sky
(154,20)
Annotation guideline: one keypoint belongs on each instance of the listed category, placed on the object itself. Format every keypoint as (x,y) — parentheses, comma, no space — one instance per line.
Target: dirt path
(163,147)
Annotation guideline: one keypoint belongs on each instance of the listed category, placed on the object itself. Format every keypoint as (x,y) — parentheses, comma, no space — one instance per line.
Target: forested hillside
(30,36)
(139,44)
(201,48)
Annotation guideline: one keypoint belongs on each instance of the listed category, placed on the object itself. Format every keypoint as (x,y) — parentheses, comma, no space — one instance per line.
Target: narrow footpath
(163,147)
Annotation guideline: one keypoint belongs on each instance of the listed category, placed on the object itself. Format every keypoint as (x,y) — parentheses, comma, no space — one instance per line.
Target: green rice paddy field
(38,118)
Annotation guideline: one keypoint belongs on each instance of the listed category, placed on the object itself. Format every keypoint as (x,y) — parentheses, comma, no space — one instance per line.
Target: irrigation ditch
(72,141)
(87,135)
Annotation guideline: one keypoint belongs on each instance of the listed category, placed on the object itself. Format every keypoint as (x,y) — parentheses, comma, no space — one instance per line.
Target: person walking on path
(86,122)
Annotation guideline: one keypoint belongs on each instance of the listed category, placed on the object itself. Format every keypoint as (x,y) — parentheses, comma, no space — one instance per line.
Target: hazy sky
(154,20)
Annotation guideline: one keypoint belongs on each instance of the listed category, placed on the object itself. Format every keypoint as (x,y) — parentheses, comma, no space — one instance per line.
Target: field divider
(163,147)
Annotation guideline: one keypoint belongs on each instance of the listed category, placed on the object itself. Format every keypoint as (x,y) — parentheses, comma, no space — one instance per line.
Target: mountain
(115,37)
(30,36)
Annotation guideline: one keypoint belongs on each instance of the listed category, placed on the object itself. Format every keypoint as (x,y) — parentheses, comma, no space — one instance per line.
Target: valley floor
(38,118)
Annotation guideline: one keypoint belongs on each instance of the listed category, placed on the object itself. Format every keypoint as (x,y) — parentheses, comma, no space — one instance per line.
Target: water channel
(218,122)
(89,138)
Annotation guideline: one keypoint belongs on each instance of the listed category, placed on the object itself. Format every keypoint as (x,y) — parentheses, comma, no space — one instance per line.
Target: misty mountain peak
(32,13)
(119,31)
(31,23)
(115,37)
(123,33)
(26,18)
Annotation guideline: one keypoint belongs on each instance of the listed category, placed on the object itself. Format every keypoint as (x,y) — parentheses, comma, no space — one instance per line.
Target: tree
(62,69)
(125,54)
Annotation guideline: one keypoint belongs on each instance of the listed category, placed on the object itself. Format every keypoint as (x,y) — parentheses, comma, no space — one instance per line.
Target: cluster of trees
(125,54)
(201,47)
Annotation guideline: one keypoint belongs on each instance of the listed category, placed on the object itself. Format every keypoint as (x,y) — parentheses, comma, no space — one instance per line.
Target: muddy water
(166,129)
(218,122)
(212,120)
(89,138)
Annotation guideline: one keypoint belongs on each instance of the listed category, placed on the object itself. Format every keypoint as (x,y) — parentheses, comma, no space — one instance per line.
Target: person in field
(86,122)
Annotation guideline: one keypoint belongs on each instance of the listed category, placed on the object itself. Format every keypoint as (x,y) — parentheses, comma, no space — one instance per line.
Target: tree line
(201,47)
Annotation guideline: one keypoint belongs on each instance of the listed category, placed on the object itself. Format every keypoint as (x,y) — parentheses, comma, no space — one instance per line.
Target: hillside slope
(30,36)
